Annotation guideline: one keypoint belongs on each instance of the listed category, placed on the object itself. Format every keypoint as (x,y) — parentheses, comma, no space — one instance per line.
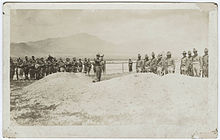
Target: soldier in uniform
(16,68)
(205,64)
(80,65)
(68,65)
(183,65)
(26,66)
(189,64)
(74,65)
(89,66)
(93,65)
(54,65)
(32,68)
(169,64)
(139,64)
(50,58)
(160,65)
(130,63)
(37,68)
(12,68)
(61,65)
(85,65)
(19,71)
(98,68)
(146,64)
(153,63)
(103,64)
(47,67)
(50,64)
(42,68)
(196,62)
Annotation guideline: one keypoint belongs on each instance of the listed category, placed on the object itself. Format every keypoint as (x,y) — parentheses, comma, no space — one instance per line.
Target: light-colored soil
(130,99)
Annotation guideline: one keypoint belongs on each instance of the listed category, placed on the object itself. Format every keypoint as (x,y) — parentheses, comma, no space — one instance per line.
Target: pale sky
(156,28)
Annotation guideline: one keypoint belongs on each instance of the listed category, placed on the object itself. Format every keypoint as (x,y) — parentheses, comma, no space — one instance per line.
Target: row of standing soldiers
(38,68)
(155,65)
(194,65)
(191,65)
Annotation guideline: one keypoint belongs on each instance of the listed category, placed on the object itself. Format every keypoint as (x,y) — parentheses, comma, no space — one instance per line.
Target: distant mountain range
(78,45)
(83,45)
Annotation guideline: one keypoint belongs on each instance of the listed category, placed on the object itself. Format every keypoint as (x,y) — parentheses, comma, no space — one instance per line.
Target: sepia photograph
(145,70)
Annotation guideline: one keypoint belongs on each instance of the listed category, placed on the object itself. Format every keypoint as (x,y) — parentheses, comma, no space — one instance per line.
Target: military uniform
(26,67)
(89,66)
(85,63)
(190,66)
(68,65)
(32,68)
(130,63)
(170,67)
(50,66)
(169,64)
(146,65)
(47,63)
(103,63)
(16,69)
(20,71)
(196,65)
(93,65)
(61,66)
(183,65)
(196,62)
(153,65)
(54,66)
(139,64)
(12,69)
(160,65)
(42,68)
(80,66)
(74,66)
(98,68)
(37,69)
(205,64)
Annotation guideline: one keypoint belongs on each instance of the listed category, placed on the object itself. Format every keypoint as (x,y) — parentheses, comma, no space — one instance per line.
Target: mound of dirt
(40,98)
(144,98)
(56,88)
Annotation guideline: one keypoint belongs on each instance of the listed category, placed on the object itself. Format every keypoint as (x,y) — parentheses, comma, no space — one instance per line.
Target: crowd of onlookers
(37,68)
(191,65)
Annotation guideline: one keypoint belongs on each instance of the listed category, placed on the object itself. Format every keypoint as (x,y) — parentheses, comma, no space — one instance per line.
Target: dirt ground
(39,114)
(66,99)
